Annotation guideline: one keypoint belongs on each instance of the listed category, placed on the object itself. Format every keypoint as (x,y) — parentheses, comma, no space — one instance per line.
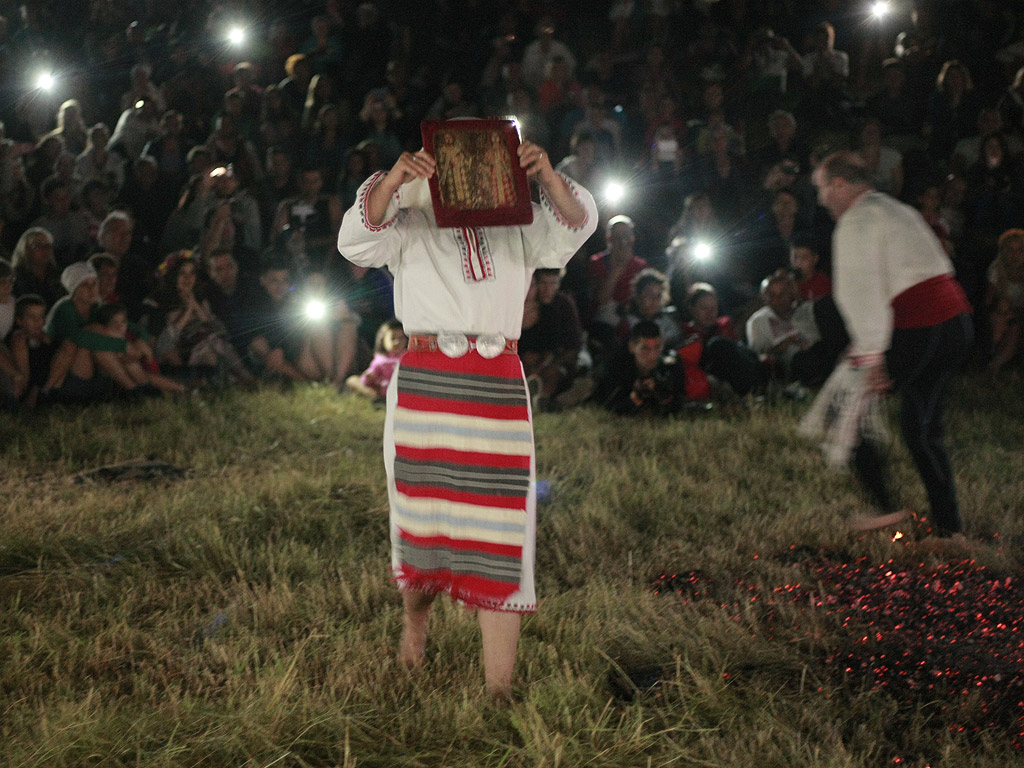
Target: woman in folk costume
(458,438)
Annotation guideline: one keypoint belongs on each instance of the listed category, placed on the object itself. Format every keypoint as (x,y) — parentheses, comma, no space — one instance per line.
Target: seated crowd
(193,243)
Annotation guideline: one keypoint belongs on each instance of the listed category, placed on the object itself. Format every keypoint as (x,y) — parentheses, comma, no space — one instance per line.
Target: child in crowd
(10,384)
(390,345)
(31,347)
(131,375)
(812,282)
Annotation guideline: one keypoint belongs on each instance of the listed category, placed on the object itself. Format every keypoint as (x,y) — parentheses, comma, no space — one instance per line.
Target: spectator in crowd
(136,127)
(539,54)
(582,163)
(968,150)
(249,94)
(1011,104)
(106,277)
(1005,299)
(551,342)
(70,128)
(189,338)
(884,163)
(898,112)
(952,110)
(610,274)
(640,381)
(97,162)
(327,145)
(811,282)
(355,172)
(995,193)
(825,72)
(229,148)
(95,205)
(391,343)
(377,118)
(293,346)
(147,200)
(35,270)
(170,151)
(141,88)
(277,184)
(31,349)
(316,215)
(232,295)
(68,228)
(293,88)
(135,277)
(40,162)
(711,351)
(783,331)
(278,122)
(559,93)
(649,300)
(783,144)
(89,360)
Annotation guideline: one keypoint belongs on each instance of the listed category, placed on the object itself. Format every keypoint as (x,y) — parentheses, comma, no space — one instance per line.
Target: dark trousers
(921,363)
(733,363)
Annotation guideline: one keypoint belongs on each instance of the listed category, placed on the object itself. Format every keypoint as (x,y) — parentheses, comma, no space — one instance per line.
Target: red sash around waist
(929,302)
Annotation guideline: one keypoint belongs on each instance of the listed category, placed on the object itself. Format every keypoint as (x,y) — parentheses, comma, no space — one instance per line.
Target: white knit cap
(74,274)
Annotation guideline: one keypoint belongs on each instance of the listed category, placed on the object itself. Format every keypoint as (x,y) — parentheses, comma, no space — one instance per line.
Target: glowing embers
(949,634)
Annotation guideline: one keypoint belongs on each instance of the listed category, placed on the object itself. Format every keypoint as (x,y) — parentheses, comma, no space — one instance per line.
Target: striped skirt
(458,447)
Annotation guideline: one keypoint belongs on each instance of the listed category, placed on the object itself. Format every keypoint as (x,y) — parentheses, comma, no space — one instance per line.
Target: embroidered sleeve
(550,208)
(367,244)
(363,195)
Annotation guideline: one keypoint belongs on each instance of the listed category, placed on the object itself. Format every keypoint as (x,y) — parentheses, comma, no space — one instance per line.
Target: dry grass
(243,615)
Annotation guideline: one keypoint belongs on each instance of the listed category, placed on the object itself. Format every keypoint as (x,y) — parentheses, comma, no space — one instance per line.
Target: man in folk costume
(910,326)
(458,438)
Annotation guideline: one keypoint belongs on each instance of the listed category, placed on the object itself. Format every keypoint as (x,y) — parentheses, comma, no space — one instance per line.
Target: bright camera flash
(236,35)
(614,191)
(316,309)
(45,81)
(701,251)
(880,9)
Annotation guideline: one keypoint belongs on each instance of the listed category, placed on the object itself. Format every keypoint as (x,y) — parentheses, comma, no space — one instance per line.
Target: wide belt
(453,344)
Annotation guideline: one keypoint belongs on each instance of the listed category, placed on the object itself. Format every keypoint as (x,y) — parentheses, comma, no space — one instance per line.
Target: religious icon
(479,181)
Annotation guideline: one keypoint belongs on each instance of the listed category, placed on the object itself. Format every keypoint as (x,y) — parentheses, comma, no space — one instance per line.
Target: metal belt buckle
(452,344)
(490,345)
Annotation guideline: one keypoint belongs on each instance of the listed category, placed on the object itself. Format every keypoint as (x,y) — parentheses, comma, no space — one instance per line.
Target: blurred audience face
(650,300)
(547,287)
(646,353)
(32,320)
(117,239)
(223,272)
(106,276)
(87,293)
(276,283)
(705,310)
(804,260)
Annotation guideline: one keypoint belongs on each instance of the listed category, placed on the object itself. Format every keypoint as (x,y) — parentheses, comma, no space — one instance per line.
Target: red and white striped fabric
(460,462)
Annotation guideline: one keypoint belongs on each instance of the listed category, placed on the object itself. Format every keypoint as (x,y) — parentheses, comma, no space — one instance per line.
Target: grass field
(702,603)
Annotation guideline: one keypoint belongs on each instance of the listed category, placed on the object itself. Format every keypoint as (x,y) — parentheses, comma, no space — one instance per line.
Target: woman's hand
(410,166)
(535,160)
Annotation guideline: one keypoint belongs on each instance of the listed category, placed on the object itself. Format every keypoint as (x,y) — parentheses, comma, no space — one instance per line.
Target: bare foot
(412,652)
